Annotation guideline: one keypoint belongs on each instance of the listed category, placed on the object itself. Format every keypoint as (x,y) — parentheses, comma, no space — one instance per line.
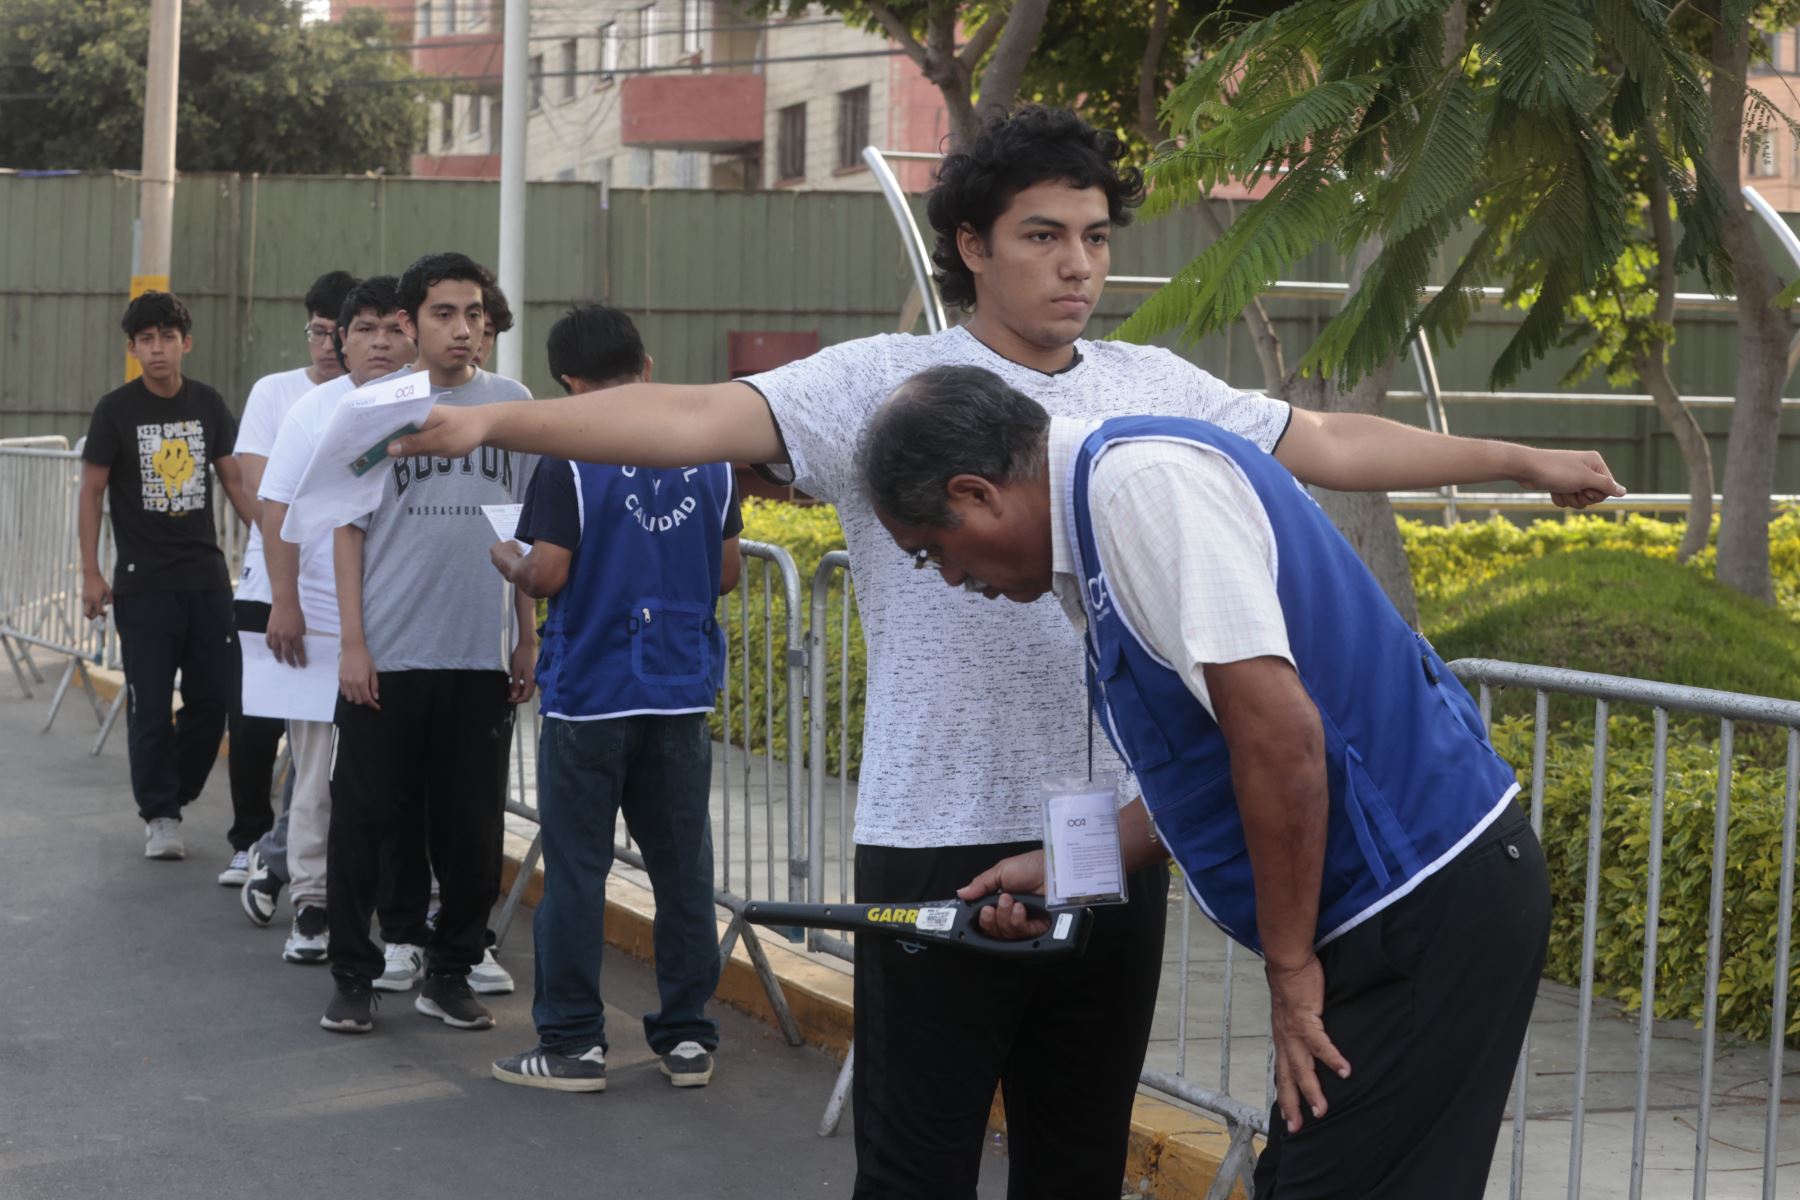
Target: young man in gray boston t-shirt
(970,706)
(424,721)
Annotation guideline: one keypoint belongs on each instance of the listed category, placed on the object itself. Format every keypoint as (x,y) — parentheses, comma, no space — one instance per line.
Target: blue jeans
(658,770)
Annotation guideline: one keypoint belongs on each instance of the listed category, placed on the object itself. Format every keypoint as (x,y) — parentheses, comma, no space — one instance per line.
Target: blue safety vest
(1411,775)
(633,629)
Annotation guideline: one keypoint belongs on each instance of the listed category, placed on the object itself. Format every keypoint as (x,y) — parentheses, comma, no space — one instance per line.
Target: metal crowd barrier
(1662,698)
(769,574)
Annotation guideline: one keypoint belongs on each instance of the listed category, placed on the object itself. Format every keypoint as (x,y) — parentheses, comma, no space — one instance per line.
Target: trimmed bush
(1752,872)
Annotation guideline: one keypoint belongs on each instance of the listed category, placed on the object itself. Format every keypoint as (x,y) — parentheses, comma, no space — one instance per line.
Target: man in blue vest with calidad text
(633,561)
(1323,781)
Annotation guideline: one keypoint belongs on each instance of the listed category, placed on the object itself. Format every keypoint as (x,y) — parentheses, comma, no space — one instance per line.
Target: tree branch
(897,32)
(1262,330)
(1000,81)
(1147,74)
(984,39)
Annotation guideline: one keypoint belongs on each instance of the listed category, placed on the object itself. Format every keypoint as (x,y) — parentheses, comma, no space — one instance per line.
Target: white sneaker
(405,967)
(309,939)
(162,839)
(489,978)
(237,872)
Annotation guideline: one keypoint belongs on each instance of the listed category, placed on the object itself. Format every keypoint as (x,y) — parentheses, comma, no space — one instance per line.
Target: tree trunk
(1653,369)
(998,83)
(1149,80)
(1762,338)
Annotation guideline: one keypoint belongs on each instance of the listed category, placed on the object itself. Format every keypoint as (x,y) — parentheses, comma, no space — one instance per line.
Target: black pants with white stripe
(1428,1000)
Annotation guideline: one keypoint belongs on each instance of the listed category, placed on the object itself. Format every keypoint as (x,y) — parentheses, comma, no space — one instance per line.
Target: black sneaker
(448,998)
(552,1069)
(261,891)
(688,1065)
(351,1009)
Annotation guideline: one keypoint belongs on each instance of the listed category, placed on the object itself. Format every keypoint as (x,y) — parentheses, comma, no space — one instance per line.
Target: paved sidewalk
(159,1047)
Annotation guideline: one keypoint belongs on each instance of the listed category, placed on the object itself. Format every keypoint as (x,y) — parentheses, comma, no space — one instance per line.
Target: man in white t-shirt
(254,740)
(303,594)
(969,707)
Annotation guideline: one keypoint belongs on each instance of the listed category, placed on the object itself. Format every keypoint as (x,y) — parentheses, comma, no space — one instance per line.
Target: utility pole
(509,355)
(156,176)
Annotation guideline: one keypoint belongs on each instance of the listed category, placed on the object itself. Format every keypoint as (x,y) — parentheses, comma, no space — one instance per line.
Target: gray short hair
(941,423)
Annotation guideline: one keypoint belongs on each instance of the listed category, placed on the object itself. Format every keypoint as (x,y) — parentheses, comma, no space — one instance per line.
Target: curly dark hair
(498,310)
(1012,153)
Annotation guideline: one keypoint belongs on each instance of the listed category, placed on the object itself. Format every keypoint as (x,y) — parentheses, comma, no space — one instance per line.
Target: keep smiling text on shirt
(172,466)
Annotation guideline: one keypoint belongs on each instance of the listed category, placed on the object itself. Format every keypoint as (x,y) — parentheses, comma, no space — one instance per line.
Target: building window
(609,50)
(446,123)
(853,126)
(449,16)
(647,35)
(568,66)
(1762,154)
(643,168)
(425,25)
(690,169)
(537,82)
(474,134)
(494,128)
(693,18)
(790,150)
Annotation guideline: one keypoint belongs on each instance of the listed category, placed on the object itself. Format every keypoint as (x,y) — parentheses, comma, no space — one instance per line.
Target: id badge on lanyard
(1083,863)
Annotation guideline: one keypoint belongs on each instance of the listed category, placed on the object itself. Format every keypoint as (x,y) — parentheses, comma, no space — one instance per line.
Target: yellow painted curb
(1174,1154)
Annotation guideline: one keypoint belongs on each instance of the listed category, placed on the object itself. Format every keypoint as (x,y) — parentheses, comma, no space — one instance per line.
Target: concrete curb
(1174,1154)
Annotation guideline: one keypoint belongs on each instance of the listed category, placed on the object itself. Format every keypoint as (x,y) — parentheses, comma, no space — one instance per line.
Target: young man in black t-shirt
(148,448)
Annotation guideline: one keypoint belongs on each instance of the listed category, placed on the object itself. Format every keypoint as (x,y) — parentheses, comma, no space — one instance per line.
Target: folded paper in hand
(331,493)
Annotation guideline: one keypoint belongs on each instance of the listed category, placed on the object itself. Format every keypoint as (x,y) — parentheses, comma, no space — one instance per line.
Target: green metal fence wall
(688,265)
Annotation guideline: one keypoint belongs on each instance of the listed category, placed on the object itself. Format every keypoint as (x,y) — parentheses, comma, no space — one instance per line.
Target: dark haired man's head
(323,300)
(442,310)
(371,342)
(499,320)
(955,464)
(1024,216)
(593,347)
(158,331)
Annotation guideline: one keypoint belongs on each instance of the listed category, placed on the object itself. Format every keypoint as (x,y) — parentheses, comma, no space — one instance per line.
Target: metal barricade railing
(1728,708)
(777,859)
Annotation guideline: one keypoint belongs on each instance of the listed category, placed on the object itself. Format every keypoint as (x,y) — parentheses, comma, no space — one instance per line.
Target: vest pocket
(671,642)
(1140,734)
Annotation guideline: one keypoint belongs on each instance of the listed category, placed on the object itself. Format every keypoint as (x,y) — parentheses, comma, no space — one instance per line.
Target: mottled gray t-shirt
(971,701)
(431,599)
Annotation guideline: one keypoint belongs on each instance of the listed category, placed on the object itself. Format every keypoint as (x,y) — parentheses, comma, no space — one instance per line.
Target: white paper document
(274,689)
(331,493)
(1082,863)
(505,520)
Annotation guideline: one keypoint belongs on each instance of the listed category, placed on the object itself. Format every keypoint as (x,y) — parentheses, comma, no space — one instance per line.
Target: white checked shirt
(1190,555)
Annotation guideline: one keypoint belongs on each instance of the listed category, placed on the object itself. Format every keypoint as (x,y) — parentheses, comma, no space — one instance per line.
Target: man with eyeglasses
(254,740)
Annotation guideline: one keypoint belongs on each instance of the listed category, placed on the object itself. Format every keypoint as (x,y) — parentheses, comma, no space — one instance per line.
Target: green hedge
(1752,873)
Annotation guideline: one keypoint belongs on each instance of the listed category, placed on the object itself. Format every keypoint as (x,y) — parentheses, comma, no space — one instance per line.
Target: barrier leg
(18,668)
(517,891)
(1238,1165)
(771,985)
(106,727)
(840,1092)
(62,689)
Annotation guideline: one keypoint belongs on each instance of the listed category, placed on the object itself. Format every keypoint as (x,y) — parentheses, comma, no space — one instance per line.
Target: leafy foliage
(260,90)
(1377,134)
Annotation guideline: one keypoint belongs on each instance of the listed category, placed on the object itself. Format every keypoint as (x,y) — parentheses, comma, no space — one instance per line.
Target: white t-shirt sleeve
(290,451)
(1190,556)
(1251,415)
(261,420)
(821,404)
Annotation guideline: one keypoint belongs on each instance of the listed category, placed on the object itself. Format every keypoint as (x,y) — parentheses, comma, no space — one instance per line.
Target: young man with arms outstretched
(632,562)
(254,740)
(424,722)
(952,761)
(149,448)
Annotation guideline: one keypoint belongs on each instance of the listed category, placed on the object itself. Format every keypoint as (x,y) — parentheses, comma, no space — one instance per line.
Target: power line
(676,68)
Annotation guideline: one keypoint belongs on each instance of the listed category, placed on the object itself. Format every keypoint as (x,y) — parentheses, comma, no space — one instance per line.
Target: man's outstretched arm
(640,424)
(1355,452)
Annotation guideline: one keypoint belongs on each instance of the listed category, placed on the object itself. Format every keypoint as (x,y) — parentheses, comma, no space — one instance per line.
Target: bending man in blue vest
(633,561)
(1321,778)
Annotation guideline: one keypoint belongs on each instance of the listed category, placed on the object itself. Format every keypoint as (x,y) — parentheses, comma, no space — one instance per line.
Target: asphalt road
(159,1047)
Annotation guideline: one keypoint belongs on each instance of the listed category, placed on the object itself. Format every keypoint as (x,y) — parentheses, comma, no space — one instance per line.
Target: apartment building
(1771,158)
(671,94)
